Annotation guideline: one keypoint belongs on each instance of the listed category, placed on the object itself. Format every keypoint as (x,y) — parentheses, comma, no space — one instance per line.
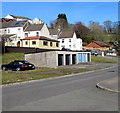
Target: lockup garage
(53,59)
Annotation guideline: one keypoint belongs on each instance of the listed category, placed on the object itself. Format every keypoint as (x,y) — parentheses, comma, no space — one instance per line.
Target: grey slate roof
(34,27)
(66,34)
(13,24)
(53,31)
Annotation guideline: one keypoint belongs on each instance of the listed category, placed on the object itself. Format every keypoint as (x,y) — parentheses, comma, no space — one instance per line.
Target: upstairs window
(8,30)
(37,33)
(19,29)
(62,40)
(26,34)
(69,40)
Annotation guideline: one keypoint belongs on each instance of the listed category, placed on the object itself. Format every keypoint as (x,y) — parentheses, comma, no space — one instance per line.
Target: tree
(82,31)
(62,16)
(61,22)
(97,31)
(108,26)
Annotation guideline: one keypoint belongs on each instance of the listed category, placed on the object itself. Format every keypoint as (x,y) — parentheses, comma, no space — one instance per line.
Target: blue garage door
(85,57)
(79,57)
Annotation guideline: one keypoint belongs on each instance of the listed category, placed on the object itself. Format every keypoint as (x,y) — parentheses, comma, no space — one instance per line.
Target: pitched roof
(20,17)
(66,34)
(13,24)
(40,38)
(34,27)
(53,31)
(102,44)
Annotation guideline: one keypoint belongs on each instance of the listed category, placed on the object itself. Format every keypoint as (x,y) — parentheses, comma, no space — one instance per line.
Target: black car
(18,65)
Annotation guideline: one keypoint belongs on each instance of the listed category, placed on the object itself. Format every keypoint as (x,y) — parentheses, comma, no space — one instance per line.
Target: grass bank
(97,59)
(9,57)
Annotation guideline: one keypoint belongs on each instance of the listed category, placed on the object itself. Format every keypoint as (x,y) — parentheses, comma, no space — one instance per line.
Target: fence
(9,49)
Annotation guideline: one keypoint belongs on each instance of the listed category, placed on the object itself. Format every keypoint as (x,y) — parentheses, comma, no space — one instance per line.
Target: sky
(75,11)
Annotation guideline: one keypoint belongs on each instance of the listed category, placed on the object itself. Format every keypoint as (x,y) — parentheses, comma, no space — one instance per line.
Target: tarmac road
(72,93)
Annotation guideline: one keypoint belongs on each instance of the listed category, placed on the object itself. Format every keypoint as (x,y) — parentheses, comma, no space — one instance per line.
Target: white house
(37,21)
(18,18)
(69,40)
(37,30)
(15,27)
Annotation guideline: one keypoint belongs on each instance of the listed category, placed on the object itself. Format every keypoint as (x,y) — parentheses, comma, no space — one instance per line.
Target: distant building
(37,21)
(18,18)
(97,45)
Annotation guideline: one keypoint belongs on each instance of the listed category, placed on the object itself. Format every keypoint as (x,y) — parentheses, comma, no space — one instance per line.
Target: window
(19,29)
(37,33)
(69,40)
(50,43)
(26,34)
(8,30)
(57,44)
(26,43)
(62,40)
(70,46)
(33,42)
(45,43)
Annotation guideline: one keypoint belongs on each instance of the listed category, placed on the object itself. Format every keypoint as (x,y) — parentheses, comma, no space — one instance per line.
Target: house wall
(32,33)
(39,44)
(50,59)
(45,32)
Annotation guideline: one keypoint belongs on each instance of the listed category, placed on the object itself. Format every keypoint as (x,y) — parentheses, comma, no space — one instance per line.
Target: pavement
(109,85)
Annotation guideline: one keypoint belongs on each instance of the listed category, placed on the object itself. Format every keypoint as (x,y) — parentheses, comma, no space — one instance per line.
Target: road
(73,93)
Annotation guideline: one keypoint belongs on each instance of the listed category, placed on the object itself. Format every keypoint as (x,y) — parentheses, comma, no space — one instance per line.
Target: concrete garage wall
(44,59)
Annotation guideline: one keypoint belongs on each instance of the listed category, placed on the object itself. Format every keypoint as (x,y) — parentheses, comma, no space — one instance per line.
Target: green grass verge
(21,76)
(102,60)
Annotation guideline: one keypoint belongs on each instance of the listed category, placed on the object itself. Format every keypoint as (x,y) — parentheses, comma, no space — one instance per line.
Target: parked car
(18,65)
(92,52)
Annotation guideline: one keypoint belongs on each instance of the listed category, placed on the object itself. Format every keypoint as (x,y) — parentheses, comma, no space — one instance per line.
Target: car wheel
(18,69)
(4,68)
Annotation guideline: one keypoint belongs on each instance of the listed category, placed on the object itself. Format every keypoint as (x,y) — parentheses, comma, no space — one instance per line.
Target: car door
(15,65)
(10,65)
